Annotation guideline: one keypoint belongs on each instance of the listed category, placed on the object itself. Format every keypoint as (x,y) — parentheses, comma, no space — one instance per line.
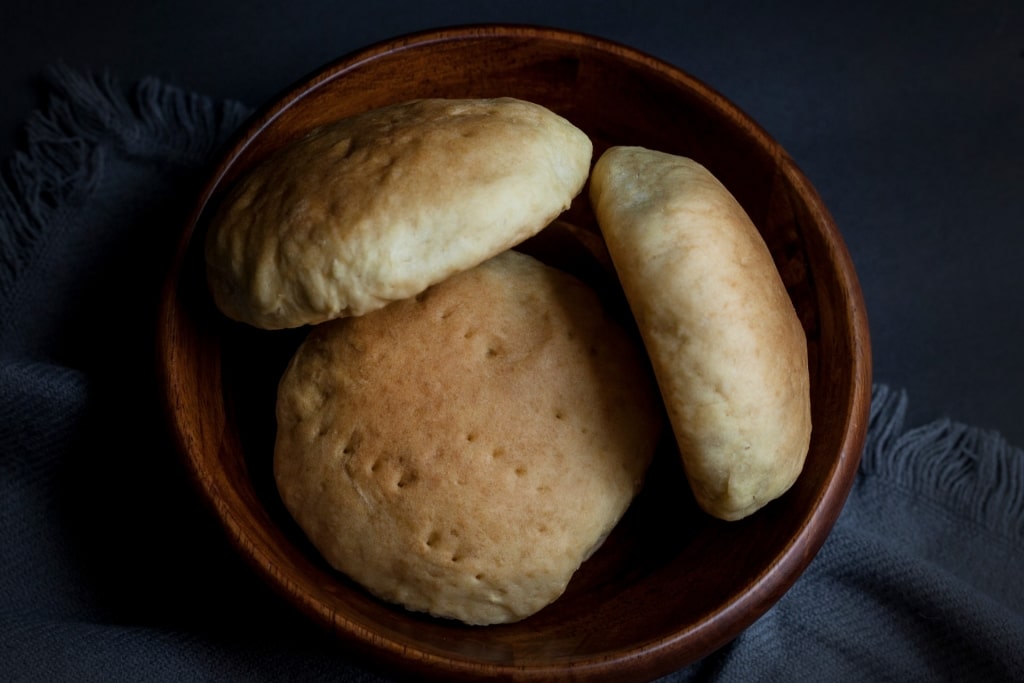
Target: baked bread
(727,347)
(463,451)
(377,207)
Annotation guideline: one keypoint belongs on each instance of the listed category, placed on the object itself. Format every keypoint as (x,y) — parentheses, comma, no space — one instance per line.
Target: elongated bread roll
(728,350)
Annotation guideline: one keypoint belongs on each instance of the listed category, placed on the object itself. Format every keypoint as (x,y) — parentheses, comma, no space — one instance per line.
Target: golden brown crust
(727,347)
(379,206)
(462,452)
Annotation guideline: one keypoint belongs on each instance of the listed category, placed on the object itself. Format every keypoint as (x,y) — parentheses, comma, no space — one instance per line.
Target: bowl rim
(649,658)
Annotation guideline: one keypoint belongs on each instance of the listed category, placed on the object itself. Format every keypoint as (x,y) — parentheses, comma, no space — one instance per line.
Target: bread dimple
(463,451)
(377,207)
(727,347)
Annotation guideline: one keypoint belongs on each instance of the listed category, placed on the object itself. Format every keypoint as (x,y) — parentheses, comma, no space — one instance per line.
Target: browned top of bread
(463,451)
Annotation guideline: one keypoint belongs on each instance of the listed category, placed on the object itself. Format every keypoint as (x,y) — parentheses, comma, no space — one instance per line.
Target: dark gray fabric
(111,570)
(920,579)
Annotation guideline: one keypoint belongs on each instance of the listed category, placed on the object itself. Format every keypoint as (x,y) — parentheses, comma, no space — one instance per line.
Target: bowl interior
(671,584)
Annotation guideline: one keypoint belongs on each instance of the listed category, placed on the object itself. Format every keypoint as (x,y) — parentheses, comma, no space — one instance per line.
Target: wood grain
(671,584)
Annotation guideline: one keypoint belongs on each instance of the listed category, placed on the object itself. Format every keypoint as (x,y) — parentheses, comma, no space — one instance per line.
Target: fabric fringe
(972,472)
(62,159)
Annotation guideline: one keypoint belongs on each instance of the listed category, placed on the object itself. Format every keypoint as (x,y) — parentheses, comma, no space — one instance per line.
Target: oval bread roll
(377,207)
(727,347)
(462,452)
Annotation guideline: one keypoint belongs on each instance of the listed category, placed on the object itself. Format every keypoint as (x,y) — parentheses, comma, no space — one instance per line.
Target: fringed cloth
(110,570)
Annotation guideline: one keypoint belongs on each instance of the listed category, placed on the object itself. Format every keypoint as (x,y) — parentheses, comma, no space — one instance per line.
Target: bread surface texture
(727,347)
(378,206)
(462,452)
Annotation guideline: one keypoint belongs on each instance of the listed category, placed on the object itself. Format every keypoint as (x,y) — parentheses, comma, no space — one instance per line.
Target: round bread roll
(377,207)
(462,452)
(727,347)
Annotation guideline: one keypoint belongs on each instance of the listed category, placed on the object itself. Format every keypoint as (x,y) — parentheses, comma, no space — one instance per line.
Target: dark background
(907,116)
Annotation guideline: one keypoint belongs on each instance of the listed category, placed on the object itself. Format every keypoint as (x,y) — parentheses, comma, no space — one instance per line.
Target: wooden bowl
(671,584)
